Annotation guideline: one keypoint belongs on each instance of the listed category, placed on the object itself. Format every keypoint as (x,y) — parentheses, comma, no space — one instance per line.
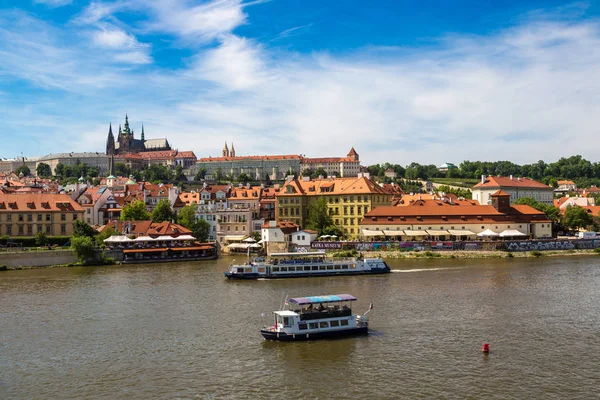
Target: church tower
(143,137)
(225,150)
(232,151)
(110,142)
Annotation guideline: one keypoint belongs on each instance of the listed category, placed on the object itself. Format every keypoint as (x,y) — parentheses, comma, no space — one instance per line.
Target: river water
(182,331)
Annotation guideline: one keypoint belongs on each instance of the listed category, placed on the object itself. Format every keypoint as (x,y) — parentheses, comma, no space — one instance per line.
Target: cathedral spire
(110,141)
(143,133)
(225,150)
(232,151)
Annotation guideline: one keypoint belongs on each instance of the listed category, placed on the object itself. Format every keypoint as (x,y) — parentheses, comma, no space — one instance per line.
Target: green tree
(179,176)
(59,170)
(307,172)
(229,178)
(219,174)
(135,211)
(187,216)
(577,218)
(23,169)
(163,212)
(122,170)
(201,230)
(318,217)
(106,233)
(200,174)
(84,249)
(41,239)
(82,228)
(43,170)
(243,178)
(320,172)
(268,180)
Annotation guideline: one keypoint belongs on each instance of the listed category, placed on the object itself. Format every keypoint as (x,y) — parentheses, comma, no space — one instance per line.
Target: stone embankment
(36,258)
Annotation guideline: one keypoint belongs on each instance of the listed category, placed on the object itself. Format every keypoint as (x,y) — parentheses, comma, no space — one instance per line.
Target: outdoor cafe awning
(165,237)
(511,233)
(461,232)
(117,239)
(238,238)
(184,237)
(408,232)
(369,232)
(393,233)
(144,239)
(437,232)
(487,232)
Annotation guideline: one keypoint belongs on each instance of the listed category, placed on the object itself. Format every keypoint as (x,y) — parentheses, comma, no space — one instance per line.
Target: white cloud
(53,3)
(236,64)
(203,22)
(114,38)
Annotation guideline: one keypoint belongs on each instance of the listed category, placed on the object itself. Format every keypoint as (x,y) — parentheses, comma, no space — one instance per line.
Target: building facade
(436,220)
(516,187)
(347,201)
(257,167)
(341,167)
(28,214)
(127,143)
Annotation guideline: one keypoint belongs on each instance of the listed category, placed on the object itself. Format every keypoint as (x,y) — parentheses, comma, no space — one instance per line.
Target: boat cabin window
(307,268)
(352,266)
(284,269)
(315,268)
(323,324)
(338,267)
(261,269)
(313,325)
(344,322)
(287,321)
(334,323)
(330,267)
(322,267)
(275,269)
(302,327)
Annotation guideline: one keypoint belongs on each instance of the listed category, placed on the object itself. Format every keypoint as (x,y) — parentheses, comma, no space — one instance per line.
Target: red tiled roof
(44,202)
(139,228)
(337,186)
(505,181)
(327,160)
(500,193)
(240,158)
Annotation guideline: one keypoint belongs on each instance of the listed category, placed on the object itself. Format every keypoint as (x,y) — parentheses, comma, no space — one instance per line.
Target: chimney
(511,178)
(141,185)
(482,178)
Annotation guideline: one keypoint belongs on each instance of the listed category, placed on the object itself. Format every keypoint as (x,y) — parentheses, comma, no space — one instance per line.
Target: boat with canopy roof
(316,317)
(294,265)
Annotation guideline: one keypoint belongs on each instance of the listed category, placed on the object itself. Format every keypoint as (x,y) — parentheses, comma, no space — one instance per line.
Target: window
(344,322)
(9,230)
(20,229)
(313,325)
(39,217)
(48,229)
(47,217)
(39,228)
(20,217)
(63,229)
(63,217)
(8,217)
(302,327)
(315,268)
(323,324)
(74,217)
(30,230)
(334,323)
(29,217)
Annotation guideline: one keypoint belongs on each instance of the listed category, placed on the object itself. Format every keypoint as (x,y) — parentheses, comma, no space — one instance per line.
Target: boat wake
(423,269)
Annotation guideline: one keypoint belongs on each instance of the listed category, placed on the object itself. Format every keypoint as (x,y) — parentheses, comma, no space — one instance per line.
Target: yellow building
(347,199)
(28,214)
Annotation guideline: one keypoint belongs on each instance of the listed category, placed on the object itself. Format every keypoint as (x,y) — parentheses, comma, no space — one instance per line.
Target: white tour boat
(316,317)
(291,265)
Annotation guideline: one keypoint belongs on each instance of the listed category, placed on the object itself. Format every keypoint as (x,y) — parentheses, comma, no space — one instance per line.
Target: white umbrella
(185,237)
(249,240)
(117,239)
(333,236)
(488,232)
(255,246)
(324,237)
(144,239)
(511,233)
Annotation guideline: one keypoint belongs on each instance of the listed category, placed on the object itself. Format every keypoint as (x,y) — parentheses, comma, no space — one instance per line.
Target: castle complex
(127,143)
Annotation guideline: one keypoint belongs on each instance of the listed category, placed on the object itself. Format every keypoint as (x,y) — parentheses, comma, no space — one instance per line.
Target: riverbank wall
(15,259)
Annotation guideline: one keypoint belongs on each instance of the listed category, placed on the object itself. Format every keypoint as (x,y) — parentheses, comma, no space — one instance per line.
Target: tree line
(583,172)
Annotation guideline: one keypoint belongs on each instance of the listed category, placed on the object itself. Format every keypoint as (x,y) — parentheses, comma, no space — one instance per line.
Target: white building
(304,238)
(516,187)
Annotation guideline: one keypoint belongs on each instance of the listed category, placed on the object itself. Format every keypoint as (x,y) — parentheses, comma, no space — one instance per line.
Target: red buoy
(485,348)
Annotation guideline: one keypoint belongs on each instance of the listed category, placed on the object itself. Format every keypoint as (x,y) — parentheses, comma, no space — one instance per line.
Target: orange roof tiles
(505,181)
(239,158)
(139,228)
(38,202)
(337,186)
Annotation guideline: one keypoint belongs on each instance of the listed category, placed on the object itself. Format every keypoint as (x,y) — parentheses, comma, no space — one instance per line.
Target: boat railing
(326,313)
(343,259)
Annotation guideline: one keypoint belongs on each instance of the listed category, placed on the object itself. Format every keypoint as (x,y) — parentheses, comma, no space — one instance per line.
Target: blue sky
(401,81)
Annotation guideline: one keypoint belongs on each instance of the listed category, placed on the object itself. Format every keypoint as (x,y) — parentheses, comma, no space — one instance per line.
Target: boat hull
(230,275)
(284,337)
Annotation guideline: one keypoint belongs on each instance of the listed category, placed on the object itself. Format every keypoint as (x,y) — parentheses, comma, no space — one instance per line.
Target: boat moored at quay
(292,265)
(317,317)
